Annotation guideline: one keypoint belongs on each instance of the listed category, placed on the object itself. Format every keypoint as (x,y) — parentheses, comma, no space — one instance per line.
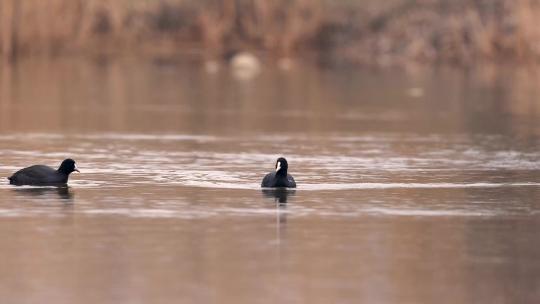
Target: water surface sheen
(429,197)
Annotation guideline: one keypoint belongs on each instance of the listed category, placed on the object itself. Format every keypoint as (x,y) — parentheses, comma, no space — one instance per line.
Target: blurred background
(343,31)
(411,127)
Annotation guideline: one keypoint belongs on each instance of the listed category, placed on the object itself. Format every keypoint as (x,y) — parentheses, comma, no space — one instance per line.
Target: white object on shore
(245,65)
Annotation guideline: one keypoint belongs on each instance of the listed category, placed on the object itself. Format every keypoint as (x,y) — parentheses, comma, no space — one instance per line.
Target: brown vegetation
(463,32)
(363,31)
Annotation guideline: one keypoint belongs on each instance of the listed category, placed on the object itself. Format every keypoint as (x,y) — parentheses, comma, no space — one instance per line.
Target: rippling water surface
(429,197)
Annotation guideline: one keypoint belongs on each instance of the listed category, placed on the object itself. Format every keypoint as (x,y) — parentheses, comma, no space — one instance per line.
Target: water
(414,186)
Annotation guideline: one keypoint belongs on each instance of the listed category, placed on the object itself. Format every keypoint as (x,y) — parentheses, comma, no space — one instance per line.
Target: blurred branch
(10,16)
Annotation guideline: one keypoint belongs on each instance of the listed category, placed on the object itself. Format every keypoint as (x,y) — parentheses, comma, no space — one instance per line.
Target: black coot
(279,178)
(39,175)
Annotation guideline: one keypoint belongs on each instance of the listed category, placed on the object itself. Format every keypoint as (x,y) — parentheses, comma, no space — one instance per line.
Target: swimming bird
(40,175)
(279,178)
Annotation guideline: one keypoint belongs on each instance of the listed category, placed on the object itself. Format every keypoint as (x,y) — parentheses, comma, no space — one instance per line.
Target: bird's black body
(274,180)
(279,178)
(40,175)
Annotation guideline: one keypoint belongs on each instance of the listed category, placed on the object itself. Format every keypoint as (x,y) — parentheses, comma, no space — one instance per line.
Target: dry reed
(363,31)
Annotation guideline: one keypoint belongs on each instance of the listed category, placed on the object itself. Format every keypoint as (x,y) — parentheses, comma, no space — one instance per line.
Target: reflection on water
(46,193)
(401,198)
(280,194)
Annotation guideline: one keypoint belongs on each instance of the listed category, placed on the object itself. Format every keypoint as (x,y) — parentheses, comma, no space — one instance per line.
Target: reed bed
(361,31)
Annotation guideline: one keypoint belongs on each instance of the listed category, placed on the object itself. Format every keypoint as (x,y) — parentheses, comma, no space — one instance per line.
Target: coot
(279,178)
(40,175)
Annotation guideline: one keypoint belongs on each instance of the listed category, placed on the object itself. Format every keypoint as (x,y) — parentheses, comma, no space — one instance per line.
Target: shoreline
(361,32)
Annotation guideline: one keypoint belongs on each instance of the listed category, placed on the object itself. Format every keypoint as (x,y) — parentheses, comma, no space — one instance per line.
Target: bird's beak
(278,166)
(76,169)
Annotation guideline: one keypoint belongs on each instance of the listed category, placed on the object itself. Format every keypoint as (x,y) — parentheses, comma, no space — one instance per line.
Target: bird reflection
(280,195)
(62,193)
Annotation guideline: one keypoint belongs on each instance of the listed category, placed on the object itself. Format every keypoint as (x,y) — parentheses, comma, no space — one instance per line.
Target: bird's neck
(63,171)
(281,173)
